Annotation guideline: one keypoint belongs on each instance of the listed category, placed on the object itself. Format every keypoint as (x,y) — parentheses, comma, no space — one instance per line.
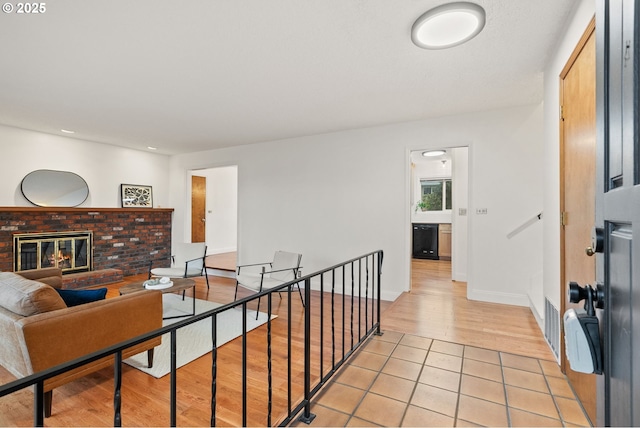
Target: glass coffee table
(179,284)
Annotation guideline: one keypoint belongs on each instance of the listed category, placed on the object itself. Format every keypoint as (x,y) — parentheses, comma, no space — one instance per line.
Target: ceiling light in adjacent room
(433,153)
(152,148)
(66,131)
(448,25)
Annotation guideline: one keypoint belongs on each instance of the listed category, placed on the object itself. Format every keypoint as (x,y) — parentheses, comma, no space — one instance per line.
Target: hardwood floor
(435,308)
(222,261)
(438,308)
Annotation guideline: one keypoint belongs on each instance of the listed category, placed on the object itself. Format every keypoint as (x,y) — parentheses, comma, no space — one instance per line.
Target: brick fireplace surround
(125,240)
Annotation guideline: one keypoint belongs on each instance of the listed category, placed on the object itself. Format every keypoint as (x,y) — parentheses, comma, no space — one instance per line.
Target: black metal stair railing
(341,310)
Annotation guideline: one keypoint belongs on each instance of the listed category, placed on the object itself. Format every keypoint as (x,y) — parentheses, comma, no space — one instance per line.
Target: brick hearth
(89,279)
(125,239)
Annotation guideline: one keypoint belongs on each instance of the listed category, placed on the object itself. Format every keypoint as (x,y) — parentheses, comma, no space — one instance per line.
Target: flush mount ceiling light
(66,131)
(448,25)
(433,153)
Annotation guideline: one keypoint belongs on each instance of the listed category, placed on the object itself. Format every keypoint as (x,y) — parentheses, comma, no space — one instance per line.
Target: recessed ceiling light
(448,25)
(433,153)
(66,131)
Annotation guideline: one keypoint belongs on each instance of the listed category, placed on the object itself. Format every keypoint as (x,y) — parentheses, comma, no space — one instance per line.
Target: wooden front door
(618,208)
(198,208)
(578,148)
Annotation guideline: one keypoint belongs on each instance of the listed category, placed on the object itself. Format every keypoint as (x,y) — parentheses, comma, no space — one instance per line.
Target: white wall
(102,166)
(584,12)
(460,223)
(505,179)
(336,196)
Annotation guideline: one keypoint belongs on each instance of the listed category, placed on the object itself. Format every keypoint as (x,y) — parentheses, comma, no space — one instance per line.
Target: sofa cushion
(79,297)
(26,297)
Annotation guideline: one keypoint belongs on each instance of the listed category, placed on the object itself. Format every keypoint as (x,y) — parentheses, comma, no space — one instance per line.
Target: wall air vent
(552,328)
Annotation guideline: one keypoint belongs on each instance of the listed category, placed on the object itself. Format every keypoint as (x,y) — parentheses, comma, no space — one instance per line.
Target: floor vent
(552,327)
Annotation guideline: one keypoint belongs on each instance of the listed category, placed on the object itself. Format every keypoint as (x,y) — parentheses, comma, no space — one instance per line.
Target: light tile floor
(402,380)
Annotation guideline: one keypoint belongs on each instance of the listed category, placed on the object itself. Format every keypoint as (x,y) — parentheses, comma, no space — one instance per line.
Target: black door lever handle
(594,297)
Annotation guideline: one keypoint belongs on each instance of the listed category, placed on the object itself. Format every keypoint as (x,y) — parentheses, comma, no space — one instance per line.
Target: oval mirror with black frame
(49,188)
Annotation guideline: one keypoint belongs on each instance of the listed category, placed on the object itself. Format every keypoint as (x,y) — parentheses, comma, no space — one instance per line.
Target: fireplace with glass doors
(69,251)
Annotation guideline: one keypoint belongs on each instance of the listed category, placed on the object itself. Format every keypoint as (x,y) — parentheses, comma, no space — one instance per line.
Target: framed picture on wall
(136,196)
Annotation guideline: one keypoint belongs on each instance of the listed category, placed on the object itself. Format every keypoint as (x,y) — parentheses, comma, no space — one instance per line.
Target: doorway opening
(438,214)
(218,186)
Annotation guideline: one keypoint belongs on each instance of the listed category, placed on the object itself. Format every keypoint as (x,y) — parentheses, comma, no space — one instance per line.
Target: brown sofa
(38,331)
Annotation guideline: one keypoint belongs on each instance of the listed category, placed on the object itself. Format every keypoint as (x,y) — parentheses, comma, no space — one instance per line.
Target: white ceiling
(186,76)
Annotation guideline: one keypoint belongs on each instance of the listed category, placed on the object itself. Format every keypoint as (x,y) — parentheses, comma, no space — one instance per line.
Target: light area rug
(194,340)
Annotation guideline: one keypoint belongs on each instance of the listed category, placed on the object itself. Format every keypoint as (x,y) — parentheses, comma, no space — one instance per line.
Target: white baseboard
(389,296)
(461,277)
(539,318)
(497,297)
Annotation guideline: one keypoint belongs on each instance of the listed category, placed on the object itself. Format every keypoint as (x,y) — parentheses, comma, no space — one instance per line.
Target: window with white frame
(435,194)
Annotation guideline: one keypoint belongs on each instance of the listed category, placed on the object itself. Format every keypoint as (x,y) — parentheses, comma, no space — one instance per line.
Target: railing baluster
(373,286)
(321,325)
(366,295)
(374,278)
(269,369)
(38,405)
(373,290)
(352,297)
(307,417)
(244,364)
(380,255)
(214,367)
(360,299)
(174,402)
(344,292)
(117,390)
(333,318)
(289,358)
